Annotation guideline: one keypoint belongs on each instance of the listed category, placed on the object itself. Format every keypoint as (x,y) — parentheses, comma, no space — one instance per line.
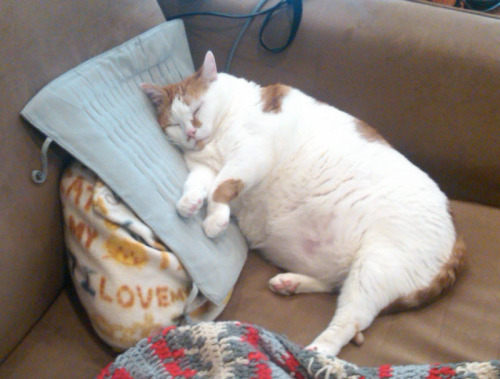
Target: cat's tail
(441,282)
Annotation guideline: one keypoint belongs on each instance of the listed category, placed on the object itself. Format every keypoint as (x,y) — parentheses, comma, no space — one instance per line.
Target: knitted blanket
(238,350)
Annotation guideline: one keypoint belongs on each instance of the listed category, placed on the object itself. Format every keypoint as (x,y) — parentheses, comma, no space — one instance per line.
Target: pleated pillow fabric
(99,114)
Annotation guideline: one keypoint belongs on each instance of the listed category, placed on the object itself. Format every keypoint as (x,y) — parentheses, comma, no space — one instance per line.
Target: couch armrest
(40,41)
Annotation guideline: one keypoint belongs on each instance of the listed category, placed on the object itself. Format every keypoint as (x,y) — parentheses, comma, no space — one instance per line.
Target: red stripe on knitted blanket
(252,336)
(120,373)
(263,371)
(441,372)
(293,364)
(169,359)
(385,371)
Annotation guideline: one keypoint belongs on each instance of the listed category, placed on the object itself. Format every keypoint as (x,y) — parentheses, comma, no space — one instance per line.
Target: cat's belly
(303,240)
(312,215)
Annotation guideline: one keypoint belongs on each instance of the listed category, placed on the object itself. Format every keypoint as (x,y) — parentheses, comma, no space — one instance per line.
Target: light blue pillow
(99,114)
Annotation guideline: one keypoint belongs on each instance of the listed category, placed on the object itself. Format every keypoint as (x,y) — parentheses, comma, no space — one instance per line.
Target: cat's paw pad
(284,284)
(190,203)
(215,224)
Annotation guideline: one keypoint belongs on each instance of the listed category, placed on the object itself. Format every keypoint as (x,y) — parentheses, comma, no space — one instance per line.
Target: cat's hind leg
(290,283)
(370,286)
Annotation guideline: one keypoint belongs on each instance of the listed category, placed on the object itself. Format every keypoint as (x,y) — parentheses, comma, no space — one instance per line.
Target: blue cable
(240,35)
(297,15)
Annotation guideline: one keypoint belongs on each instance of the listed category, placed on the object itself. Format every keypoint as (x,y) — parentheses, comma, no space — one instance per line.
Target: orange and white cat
(317,191)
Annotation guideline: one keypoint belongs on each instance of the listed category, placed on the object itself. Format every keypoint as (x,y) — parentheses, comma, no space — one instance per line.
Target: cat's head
(180,107)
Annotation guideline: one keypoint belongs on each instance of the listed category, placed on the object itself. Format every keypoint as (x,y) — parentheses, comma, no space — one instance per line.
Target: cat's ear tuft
(209,68)
(154,93)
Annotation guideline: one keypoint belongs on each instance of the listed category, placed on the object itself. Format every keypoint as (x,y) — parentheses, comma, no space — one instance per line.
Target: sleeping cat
(318,192)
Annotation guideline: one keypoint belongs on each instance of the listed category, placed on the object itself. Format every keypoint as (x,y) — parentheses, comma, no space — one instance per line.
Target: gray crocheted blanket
(238,350)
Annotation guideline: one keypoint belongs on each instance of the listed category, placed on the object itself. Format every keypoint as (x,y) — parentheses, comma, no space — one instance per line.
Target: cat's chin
(196,146)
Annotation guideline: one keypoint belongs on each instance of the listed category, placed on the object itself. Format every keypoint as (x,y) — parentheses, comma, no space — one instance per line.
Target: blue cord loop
(39,176)
(296,17)
(294,5)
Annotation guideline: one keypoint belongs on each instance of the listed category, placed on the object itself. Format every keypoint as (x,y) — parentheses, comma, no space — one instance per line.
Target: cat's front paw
(217,222)
(190,203)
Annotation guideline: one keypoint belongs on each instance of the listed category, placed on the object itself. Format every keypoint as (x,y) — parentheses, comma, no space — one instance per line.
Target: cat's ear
(209,68)
(155,93)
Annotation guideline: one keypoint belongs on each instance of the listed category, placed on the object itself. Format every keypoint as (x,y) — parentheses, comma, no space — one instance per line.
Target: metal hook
(39,176)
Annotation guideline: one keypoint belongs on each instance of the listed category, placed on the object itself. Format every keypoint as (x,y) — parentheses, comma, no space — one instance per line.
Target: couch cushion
(461,326)
(61,345)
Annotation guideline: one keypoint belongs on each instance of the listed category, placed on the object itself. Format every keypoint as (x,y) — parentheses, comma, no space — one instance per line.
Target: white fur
(319,200)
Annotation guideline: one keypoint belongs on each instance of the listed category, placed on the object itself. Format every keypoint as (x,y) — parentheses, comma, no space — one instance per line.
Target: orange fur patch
(228,190)
(272,97)
(189,89)
(369,133)
(441,282)
(196,123)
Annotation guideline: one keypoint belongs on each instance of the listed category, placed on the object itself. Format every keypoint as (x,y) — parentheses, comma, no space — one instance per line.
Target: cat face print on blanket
(318,192)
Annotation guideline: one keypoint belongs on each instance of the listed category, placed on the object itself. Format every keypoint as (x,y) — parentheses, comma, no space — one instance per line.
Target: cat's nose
(191,132)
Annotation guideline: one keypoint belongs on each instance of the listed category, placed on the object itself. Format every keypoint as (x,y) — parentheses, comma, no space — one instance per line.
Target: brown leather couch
(426,77)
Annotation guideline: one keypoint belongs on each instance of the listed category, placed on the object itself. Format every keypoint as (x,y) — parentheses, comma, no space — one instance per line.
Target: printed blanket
(129,283)
(239,350)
